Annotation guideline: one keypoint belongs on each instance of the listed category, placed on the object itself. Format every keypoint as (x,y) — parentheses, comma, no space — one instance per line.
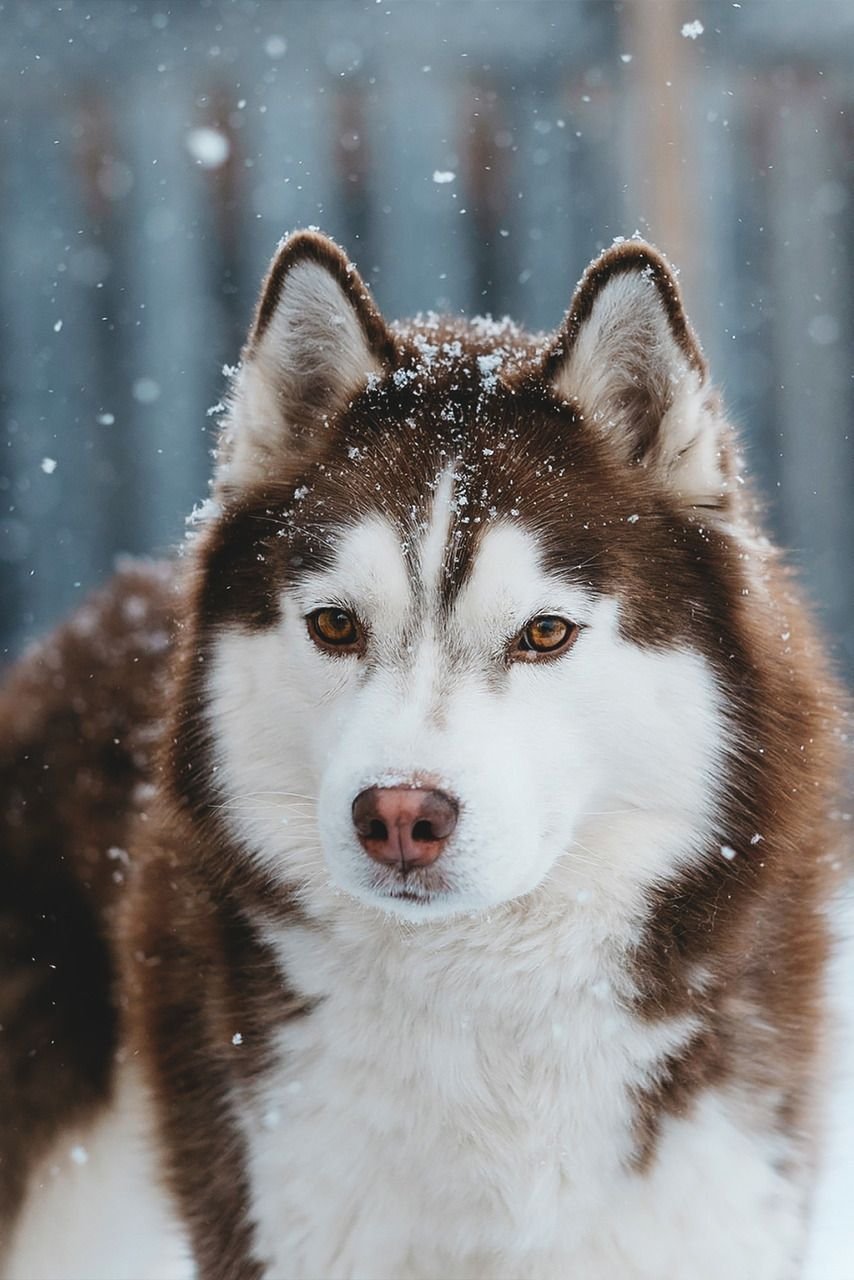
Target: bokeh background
(470,154)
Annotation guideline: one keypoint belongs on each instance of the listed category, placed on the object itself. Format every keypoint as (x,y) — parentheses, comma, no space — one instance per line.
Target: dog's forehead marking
(434,544)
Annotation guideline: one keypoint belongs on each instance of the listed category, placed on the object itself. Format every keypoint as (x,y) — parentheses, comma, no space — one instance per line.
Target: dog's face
(461,608)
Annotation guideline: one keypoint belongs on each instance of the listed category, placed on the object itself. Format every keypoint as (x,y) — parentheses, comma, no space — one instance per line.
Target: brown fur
(78,719)
(196,975)
(740,943)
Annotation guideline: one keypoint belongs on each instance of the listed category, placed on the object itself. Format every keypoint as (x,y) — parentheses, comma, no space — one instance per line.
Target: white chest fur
(460,1104)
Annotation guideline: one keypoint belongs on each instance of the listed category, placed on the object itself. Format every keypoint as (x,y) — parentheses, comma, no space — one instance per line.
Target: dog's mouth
(418,886)
(409,895)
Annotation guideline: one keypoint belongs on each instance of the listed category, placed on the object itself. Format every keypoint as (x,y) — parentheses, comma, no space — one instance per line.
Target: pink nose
(404,826)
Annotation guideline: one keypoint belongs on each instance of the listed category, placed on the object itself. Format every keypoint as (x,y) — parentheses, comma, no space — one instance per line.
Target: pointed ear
(315,340)
(627,356)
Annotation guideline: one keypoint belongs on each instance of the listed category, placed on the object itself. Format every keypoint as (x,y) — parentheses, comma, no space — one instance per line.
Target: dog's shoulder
(78,725)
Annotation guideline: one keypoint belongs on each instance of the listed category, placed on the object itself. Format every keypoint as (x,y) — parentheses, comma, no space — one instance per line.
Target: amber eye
(546,636)
(334,628)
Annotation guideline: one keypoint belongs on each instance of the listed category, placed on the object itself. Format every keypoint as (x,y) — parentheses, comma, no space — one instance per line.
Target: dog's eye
(546,636)
(334,628)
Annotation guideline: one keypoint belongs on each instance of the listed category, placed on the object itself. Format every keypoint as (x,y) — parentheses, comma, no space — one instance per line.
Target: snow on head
(488,366)
(203,512)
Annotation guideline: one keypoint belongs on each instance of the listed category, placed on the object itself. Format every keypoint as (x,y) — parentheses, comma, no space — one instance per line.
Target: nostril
(366,817)
(436,818)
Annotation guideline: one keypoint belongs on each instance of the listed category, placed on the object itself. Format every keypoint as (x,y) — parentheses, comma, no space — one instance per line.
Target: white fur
(434,542)
(627,340)
(95,1209)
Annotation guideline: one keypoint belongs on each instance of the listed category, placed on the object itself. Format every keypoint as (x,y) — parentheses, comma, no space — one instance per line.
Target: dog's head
(462,615)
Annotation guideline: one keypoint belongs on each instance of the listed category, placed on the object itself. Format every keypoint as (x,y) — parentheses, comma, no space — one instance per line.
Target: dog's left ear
(626,355)
(316,339)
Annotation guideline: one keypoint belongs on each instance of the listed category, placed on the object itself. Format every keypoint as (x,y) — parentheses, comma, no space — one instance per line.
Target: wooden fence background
(152,154)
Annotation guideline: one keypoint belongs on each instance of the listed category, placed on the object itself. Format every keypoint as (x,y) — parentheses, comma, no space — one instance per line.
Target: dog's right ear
(316,339)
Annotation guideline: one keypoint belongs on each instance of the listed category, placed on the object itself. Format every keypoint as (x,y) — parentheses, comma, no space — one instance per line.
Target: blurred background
(469,154)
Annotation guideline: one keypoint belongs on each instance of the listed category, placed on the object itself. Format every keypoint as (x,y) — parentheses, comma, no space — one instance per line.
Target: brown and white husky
(427,878)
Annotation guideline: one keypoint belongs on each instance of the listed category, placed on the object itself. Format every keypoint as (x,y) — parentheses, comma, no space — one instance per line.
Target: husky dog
(427,879)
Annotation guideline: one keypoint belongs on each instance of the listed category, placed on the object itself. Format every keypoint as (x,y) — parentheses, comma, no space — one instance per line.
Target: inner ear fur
(313,247)
(628,358)
(629,257)
(315,339)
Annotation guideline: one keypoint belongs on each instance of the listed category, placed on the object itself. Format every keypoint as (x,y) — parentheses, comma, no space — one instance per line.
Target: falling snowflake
(275,46)
(145,390)
(208,147)
(691,30)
